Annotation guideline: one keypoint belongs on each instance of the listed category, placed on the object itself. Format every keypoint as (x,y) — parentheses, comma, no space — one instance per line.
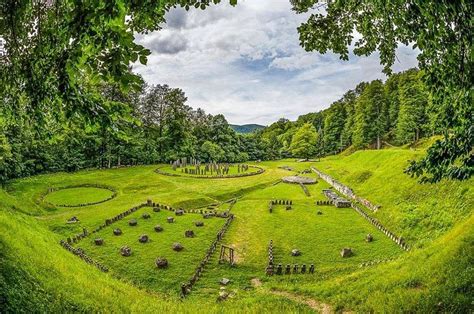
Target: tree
(212,152)
(370,116)
(413,117)
(304,141)
(442,31)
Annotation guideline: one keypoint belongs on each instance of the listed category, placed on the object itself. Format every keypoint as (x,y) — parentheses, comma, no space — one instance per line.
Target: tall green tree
(304,141)
(413,117)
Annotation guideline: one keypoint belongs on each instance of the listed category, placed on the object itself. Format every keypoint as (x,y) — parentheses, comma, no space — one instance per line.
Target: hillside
(246,128)
(436,220)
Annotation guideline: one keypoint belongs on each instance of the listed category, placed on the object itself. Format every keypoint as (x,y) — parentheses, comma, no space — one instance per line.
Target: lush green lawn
(139,268)
(435,219)
(78,195)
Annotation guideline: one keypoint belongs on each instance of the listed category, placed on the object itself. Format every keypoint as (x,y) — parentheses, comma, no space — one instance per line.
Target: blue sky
(246,62)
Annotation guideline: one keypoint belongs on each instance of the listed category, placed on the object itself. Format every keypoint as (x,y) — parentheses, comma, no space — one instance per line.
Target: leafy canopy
(441,30)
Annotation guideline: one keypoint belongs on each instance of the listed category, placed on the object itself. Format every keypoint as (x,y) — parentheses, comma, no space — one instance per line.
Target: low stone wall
(187,287)
(345,190)
(398,240)
(83,256)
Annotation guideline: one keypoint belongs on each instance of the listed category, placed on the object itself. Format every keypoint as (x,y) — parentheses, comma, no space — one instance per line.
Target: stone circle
(298,180)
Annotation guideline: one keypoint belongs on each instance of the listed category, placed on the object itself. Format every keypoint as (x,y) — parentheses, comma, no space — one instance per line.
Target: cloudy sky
(246,62)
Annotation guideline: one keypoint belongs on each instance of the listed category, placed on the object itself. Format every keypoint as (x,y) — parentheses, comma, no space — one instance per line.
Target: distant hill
(246,128)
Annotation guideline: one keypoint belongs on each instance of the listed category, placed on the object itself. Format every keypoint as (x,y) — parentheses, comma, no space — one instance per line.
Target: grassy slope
(436,273)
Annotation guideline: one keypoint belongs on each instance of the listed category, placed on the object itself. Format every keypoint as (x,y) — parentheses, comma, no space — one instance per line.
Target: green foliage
(436,220)
(442,31)
(303,143)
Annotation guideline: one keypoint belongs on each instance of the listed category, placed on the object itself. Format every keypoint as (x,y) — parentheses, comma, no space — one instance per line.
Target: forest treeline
(155,124)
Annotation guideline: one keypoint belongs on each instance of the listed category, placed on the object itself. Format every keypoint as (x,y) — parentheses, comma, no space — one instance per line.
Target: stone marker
(288,269)
(117,232)
(146,216)
(189,234)
(177,247)
(295,252)
(346,252)
(224,281)
(199,224)
(156,209)
(161,262)
(179,212)
(143,238)
(99,241)
(279,269)
(319,212)
(132,222)
(311,269)
(303,268)
(125,251)
(170,219)
(369,238)
(158,228)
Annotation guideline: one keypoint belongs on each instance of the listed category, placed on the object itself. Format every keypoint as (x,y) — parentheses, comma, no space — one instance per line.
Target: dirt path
(312,303)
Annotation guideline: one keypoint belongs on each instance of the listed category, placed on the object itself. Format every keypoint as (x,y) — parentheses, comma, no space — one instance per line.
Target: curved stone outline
(85,185)
(240,175)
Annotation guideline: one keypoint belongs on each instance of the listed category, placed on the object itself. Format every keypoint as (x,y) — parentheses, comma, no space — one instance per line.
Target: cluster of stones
(76,238)
(288,168)
(194,167)
(180,211)
(398,240)
(295,269)
(345,190)
(371,263)
(289,269)
(298,180)
(286,203)
(335,199)
(88,185)
(79,252)
(186,287)
(324,203)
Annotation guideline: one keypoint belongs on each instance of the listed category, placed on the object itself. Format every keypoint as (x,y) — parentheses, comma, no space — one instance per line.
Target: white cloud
(246,62)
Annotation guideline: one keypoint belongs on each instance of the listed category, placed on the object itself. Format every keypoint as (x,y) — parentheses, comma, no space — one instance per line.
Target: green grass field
(77,195)
(437,221)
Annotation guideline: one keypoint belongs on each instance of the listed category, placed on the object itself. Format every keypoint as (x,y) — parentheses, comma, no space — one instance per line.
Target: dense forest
(156,125)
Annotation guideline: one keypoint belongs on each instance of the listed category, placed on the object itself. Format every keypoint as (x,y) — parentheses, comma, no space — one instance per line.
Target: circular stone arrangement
(233,173)
(298,180)
(88,194)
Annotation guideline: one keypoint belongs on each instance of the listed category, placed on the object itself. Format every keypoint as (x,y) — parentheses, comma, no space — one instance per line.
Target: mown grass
(77,195)
(436,275)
